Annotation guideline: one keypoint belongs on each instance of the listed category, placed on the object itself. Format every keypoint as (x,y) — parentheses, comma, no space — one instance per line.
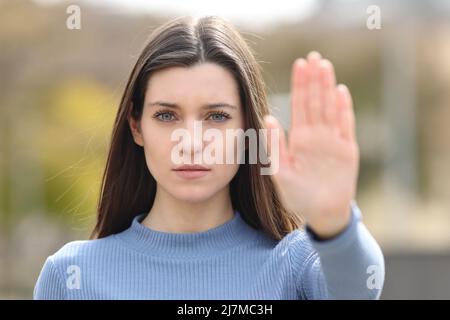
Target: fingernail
(342,87)
(300,62)
(314,55)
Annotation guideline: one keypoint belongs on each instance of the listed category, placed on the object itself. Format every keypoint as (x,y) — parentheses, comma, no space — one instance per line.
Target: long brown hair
(128,188)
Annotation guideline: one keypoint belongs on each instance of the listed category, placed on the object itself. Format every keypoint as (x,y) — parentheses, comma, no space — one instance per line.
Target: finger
(314,99)
(276,147)
(346,117)
(298,91)
(328,84)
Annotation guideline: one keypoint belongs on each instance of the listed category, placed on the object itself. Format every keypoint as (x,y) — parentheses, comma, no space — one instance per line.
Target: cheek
(234,147)
(223,173)
(226,151)
(157,148)
(232,170)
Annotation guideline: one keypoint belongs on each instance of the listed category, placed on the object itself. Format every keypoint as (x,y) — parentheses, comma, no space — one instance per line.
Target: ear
(135,127)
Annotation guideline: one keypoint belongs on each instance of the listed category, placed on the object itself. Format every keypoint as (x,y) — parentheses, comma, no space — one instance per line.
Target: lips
(191,168)
(191,171)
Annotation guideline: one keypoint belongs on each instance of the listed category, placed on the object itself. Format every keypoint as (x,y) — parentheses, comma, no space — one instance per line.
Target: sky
(249,12)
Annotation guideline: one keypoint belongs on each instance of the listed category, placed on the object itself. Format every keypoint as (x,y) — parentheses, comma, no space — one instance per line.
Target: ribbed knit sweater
(230,261)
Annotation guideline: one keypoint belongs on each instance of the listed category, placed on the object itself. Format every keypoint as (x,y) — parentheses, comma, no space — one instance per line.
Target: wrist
(330,228)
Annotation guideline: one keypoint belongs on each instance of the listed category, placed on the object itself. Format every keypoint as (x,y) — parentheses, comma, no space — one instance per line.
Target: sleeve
(348,266)
(49,285)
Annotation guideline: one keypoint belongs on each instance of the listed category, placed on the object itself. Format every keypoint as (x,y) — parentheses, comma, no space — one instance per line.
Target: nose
(193,144)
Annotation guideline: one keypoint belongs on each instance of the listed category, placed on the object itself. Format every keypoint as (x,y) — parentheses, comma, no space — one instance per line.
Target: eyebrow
(207,106)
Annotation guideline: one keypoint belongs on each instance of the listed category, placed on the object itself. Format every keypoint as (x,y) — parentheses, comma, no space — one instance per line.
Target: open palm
(318,165)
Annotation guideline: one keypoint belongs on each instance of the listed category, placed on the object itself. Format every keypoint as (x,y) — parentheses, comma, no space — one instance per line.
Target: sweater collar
(226,236)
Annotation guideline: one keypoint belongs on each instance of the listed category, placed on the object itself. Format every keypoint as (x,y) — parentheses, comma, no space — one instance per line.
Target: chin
(192,193)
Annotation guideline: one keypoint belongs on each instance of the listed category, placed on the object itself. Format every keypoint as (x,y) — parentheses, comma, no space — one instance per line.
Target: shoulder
(300,249)
(80,250)
(67,262)
(296,244)
(78,254)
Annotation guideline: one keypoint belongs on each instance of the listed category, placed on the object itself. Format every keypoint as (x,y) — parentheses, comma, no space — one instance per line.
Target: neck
(169,214)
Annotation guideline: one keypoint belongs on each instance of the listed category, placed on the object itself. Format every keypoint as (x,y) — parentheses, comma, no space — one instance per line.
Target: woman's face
(183,98)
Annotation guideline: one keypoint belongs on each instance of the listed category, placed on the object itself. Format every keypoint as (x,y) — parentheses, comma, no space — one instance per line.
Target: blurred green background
(60,89)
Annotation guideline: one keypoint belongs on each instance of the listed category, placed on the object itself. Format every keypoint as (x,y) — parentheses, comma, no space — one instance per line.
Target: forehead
(206,81)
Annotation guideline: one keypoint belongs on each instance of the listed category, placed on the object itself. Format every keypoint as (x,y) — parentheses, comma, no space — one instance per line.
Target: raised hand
(318,165)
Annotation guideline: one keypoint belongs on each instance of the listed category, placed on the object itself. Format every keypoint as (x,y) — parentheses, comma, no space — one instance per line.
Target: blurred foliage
(60,88)
(79,117)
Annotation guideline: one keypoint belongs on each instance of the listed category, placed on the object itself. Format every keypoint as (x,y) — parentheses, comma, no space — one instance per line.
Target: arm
(315,172)
(49,285)
(348,266)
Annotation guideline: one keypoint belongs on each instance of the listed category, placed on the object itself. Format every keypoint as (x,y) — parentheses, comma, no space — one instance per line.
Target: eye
(164,116)
(219,116)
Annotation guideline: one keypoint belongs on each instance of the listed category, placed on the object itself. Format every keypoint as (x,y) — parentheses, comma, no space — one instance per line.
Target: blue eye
(167,116)
(220,116)
(164,116)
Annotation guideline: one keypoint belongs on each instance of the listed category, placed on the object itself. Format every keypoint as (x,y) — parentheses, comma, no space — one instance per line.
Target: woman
(187,230)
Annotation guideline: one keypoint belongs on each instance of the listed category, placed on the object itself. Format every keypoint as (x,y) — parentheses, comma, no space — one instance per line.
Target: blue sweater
(231,261)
